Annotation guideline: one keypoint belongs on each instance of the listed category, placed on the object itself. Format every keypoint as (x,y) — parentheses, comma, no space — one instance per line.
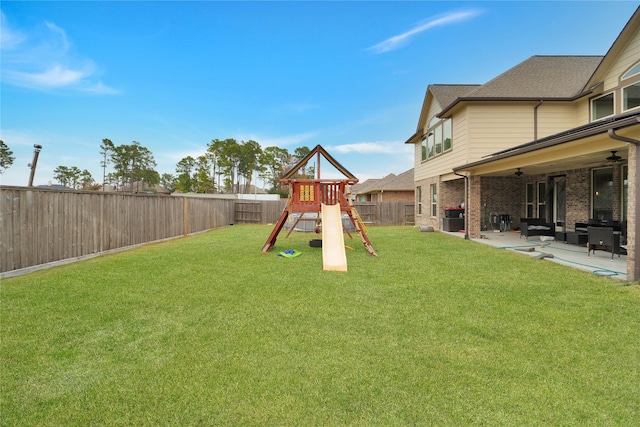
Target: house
(391,188)
(554,138)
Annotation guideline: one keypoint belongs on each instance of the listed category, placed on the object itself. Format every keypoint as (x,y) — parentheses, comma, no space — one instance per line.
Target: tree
(273,160)
(73,177)
(62,174)
(6,157)
(230,158)
(250,152)
(214,154)
(184,168)
(168,181)
(133,163)
(86,181)
(305,171)
(202,179)
(106,148)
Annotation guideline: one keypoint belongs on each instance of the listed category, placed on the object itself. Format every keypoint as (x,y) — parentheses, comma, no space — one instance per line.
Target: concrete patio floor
(563,253)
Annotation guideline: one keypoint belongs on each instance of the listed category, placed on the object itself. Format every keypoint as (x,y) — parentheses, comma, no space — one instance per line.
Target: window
(430,151)
(447,131)
(602,193)
(632,72)
(529,201)
(602,107)
(439,137)
(542,204)
(424,148)
(419,199)
(434,200)
(631,97)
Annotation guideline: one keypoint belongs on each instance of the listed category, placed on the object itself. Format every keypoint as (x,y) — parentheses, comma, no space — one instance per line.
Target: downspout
(466,204)
(535,120)
(636,255)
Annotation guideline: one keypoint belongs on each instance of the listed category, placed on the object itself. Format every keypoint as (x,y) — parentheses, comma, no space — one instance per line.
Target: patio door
(560,201)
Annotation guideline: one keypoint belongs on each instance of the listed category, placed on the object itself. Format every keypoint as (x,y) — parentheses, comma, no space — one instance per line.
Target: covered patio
(599,263)
(589,173)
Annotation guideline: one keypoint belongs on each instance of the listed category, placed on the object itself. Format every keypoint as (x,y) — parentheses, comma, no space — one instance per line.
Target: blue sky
(350,76)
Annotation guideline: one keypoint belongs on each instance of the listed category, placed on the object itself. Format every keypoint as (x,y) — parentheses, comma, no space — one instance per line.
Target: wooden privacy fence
(41,226)
(386,213)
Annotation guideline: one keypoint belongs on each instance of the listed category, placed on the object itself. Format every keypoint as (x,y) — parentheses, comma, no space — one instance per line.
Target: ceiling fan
(519,172)
(613,158)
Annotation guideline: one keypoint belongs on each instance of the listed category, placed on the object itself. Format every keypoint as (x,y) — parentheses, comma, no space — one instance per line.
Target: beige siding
(445,162)
(433,109)
(556,117)
(629,56)
(582,112)
(495,127)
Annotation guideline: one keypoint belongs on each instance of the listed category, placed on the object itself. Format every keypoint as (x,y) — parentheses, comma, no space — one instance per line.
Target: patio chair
(603,237)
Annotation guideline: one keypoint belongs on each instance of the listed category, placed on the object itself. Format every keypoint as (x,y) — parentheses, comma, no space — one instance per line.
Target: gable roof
(319,151)
(537,78)
(391,182)
(446,94)
(625,36)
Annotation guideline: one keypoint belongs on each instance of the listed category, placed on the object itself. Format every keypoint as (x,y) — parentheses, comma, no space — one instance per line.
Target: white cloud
(44,59)
(9,38)
(400,40)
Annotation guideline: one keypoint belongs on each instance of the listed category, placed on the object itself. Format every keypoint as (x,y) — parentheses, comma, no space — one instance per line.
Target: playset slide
(334,255)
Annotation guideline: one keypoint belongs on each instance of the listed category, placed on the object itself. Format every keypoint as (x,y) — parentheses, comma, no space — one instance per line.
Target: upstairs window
(602,107)
(635,70)
(631,97)
(438,139)
(446,129)
(430,151)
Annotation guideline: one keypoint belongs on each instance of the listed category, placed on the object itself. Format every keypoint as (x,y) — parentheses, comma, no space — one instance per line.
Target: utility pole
(32,165)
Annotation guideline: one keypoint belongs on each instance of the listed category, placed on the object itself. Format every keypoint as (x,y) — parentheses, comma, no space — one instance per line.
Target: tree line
(226,166)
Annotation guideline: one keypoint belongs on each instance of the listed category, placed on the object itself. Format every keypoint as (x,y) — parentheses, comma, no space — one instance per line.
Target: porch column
(633,215)
(473,211)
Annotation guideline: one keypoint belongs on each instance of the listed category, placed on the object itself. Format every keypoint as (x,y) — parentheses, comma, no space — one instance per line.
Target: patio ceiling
(588,152)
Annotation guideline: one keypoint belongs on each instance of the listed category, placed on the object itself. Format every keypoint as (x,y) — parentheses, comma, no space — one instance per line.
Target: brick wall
(425,218)
(578,197)
(502,195)
(633,267)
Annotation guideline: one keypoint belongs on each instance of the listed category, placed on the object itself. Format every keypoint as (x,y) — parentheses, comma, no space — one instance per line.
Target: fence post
(185,214)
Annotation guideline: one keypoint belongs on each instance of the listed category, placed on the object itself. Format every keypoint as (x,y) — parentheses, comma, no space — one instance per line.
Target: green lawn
(206,330)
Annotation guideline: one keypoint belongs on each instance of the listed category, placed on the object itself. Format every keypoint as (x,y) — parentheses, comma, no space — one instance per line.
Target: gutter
(510,99)
(535,120)
(613,135)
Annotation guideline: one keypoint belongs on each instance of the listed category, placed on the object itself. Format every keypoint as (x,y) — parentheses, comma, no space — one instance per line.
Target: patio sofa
(530,227)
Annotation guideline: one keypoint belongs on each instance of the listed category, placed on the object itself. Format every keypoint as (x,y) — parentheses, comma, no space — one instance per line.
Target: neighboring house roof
(391,182)
(364,187)
(56,186)
(537,78)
